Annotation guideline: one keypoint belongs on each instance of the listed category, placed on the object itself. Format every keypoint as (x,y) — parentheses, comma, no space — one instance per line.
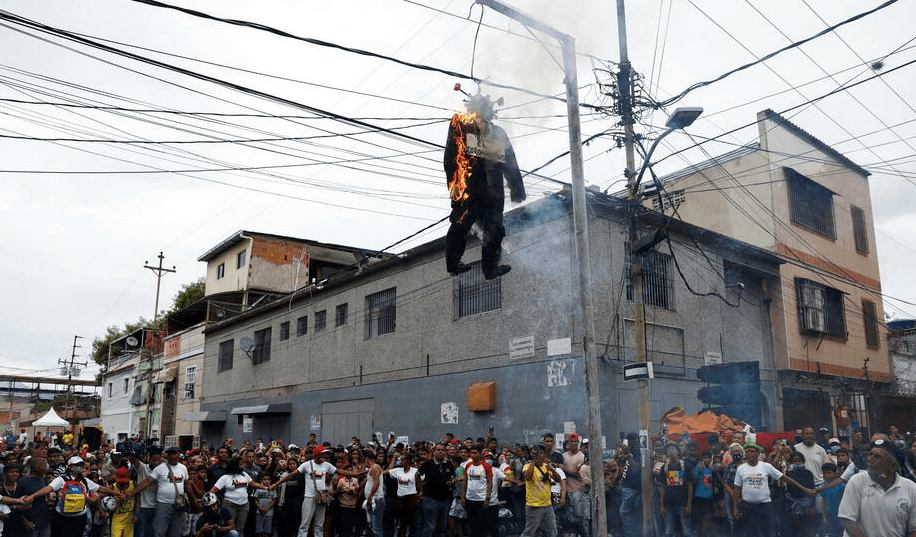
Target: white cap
(75,460)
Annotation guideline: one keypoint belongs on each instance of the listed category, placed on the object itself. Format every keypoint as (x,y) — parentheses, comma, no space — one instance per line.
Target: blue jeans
(630,512)
(144,525)
(672,515)
(377,517)
(435,517)
(168,520)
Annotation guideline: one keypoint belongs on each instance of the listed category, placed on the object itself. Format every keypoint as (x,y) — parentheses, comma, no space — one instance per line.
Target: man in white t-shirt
(476,492)
(753,508)
(815,455)
(319,474)
(879,502)
(169,477)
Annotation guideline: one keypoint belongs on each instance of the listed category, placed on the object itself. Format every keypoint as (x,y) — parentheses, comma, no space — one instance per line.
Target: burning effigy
(478,157)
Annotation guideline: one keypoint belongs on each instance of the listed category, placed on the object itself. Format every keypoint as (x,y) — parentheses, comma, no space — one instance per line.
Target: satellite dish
(132,341)
(246,344)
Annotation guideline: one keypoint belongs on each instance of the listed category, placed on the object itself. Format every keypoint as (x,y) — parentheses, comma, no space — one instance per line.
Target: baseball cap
(572,436)
(823,430)
(122,475)
(170,449)
(75,460)
(318,450)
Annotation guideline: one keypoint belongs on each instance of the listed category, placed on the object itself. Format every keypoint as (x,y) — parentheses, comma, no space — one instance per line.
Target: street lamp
(682,117)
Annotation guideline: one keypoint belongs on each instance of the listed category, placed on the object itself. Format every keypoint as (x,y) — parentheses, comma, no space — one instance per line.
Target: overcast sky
(91,191)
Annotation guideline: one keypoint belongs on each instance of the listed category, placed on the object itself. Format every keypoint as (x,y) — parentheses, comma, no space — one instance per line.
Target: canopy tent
(51,419)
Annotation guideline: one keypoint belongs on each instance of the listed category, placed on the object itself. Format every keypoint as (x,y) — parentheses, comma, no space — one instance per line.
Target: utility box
(482,396)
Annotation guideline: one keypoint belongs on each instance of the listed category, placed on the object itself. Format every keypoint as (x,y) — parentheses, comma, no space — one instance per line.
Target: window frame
(302,326)
(321,320)
(341,314)
(810,204)
(859,229)
(474,294)
(657,280)
(221,271)
(241,259)
(872,327)
(381,313)
(126,386)
(820,309)
(261,352)
(284,330)
(226,356)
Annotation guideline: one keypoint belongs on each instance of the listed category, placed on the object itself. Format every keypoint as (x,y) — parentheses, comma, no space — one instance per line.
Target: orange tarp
(705,422)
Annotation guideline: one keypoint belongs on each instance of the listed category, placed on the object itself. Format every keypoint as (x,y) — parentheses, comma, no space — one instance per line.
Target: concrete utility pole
(159,272)
(682,117)
(583,257)
(639,315)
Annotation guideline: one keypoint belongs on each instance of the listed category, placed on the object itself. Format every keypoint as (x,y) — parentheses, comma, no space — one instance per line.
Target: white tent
(51,419)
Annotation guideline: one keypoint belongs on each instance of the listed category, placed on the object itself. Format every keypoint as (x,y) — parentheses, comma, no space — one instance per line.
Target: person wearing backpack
(73,492)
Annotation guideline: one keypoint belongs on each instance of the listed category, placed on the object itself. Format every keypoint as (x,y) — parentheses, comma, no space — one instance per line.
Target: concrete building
(117,415)
(798,198)
(400,347)
(899,409)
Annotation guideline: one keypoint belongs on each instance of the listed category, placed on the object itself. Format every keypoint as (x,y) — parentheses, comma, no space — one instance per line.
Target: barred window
(225,355)
(381,312)
(870,316)
(321,320)
(302,325)
(261,346)
(657,285)
(820,309)
(475,294)
(810,204)
(284,331)
(341,315)
(859,229)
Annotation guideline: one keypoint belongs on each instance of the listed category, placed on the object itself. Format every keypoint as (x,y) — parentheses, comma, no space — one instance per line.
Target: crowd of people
(812,485)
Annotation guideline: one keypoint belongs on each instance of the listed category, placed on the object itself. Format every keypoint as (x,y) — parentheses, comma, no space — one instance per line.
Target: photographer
(214,521)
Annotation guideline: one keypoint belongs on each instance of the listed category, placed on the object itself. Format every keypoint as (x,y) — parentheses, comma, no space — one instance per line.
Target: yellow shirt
(537,489)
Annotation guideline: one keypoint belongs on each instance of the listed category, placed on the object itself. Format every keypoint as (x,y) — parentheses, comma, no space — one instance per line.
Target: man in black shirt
(218,468)
(676,493)
(438,474)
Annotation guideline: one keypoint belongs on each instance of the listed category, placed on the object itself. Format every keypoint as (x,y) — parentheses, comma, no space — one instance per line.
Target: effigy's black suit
(491,158)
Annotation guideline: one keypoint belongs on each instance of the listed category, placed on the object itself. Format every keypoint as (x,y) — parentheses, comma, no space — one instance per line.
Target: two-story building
(401,347)
(793,195)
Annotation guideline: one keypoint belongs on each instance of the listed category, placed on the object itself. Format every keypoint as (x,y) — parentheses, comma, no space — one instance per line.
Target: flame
(458,183)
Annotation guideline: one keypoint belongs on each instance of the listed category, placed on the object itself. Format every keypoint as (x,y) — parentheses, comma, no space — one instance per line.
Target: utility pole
(639,315)
(159,272)
(69,365)
(583,258)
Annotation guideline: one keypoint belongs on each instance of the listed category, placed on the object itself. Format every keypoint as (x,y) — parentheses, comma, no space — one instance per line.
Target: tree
(189,294)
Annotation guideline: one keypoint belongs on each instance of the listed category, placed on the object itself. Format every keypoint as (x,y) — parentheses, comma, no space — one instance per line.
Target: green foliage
(189,294)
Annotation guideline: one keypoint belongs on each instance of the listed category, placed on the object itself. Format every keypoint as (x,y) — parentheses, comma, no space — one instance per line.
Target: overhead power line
(790,46)
(327,44)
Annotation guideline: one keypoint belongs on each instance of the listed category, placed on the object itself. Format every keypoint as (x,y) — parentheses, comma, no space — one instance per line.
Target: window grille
(475,294)
(381,313)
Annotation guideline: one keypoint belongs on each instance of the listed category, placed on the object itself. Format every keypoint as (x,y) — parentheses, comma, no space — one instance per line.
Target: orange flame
(458,184)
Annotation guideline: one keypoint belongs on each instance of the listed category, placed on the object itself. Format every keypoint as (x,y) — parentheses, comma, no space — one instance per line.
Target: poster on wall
(247,424)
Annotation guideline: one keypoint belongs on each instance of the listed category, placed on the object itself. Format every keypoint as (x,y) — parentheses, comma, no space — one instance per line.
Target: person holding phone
(214,521)
(539,514)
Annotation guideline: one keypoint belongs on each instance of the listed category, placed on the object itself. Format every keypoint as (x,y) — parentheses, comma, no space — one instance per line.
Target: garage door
(341,420)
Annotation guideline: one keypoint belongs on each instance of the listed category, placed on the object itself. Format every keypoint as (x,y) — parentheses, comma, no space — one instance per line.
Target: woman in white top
(234,486)
(409,488)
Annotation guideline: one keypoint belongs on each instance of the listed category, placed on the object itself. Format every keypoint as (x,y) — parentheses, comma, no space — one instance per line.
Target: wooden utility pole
(159,272)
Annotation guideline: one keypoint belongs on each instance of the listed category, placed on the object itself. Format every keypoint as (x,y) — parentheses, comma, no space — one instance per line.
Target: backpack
(72,498)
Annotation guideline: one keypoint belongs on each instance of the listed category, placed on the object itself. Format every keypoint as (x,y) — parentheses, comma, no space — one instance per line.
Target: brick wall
(279,252)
